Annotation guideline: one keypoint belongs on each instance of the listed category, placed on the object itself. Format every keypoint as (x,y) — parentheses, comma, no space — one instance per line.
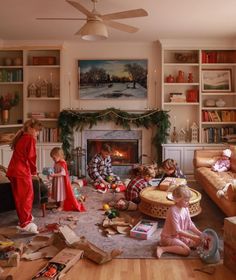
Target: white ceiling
(167,19)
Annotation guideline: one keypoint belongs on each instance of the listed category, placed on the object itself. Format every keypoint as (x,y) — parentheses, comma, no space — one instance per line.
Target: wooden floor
(123,269)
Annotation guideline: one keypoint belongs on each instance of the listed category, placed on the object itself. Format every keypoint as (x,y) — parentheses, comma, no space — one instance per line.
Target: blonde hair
(32,123)
(181,191)
(57,151)
(148,171)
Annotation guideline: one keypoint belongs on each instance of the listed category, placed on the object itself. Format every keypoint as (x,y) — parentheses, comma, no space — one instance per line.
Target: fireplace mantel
(154,119)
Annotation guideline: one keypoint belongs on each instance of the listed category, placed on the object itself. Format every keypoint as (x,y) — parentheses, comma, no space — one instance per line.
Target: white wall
(72,52)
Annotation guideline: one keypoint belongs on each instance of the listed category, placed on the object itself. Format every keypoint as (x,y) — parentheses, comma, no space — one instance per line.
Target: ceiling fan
(95,26)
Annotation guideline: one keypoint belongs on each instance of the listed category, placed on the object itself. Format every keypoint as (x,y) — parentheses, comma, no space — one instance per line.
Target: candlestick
(174,121)
(69,84)
(187,124)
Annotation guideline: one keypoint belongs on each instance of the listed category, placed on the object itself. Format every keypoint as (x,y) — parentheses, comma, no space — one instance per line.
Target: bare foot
(159,252)
(59,209)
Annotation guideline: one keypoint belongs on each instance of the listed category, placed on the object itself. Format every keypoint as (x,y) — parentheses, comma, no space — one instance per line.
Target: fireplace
(126,145)
(124,151)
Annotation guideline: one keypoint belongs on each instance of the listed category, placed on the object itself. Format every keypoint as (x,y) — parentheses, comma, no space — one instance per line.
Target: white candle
(174,121)
(69,84)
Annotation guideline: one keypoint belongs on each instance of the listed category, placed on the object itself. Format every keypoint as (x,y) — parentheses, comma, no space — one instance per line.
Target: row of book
(224,56)
(11,75)
(48,135)
(217,134)
(219,116)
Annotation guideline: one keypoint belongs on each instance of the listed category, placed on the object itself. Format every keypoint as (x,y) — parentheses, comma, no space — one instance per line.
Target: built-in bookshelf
(198,86)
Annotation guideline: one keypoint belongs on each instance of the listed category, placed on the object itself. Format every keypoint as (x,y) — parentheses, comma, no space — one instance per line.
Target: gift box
(144,229)
(168,181)
(230,243)
(59,265)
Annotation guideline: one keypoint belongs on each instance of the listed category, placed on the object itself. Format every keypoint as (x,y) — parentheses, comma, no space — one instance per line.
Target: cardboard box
(165,184)
(144,229)
(59,265)
(230,243)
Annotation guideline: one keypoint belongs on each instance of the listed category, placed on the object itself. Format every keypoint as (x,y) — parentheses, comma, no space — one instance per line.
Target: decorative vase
(180,77)
(5,115)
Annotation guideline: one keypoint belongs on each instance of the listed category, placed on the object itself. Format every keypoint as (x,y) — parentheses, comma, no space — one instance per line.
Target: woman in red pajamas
(20,170)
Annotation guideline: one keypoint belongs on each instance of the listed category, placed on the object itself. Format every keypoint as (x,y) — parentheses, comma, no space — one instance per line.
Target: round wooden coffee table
(155,203)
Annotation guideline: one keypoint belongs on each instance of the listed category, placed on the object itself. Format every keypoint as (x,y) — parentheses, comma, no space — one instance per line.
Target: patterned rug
(87,224)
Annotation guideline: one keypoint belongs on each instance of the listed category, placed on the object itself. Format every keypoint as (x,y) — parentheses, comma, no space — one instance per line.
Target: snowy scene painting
(216,80)
(112,79)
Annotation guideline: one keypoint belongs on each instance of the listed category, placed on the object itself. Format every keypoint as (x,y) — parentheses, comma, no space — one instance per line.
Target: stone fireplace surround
(111,131)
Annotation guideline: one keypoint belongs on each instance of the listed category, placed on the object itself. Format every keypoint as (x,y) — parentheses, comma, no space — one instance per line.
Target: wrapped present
(168,181)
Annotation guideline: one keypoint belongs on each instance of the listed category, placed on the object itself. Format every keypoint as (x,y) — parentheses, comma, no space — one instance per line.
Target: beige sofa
(212,181)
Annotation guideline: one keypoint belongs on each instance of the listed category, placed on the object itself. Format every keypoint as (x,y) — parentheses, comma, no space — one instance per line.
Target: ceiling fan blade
(61,18)
(79,7)
(121,26)
(79,31)
(125,14)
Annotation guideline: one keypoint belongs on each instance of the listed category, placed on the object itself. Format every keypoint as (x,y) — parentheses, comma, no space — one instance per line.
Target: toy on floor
(100,187)
(77,194)
(118,186)
(47,171)
(208,250)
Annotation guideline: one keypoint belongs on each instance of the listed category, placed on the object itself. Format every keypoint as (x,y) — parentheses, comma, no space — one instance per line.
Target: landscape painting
(112,79)
(216,80)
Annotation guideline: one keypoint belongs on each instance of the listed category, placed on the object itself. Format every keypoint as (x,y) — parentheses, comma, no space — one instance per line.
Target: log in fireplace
(124,151)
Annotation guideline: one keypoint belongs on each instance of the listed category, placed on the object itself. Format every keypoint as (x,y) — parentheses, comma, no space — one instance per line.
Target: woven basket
(6,138)
(155,204)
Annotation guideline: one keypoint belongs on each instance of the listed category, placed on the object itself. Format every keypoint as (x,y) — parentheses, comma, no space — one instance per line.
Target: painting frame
(113,79)
(217,80)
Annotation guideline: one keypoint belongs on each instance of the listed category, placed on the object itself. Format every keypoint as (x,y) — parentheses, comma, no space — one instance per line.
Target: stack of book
(177,97)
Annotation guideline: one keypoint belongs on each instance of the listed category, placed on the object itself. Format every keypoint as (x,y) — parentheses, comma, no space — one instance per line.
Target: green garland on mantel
(71,119)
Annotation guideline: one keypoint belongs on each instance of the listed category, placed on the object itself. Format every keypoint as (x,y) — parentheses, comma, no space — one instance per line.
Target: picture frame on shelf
(216,80)
(113,79)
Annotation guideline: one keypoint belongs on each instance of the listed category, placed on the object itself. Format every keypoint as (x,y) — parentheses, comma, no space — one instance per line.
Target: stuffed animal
(228,191)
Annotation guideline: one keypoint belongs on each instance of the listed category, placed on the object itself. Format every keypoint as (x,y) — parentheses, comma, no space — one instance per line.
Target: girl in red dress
(20,170)
(62,191)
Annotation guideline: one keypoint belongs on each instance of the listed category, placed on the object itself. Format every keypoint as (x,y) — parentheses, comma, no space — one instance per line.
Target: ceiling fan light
(94,31)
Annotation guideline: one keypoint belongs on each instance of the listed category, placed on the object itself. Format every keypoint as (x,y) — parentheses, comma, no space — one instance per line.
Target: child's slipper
(31,228)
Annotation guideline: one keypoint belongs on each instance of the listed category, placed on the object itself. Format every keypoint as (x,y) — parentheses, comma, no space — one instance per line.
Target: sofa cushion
(216,179)
(206,158)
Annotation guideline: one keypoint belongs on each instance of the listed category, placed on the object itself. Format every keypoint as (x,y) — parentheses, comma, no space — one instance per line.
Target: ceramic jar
(170,79)
(17,61)
(220,103)
(180,77)
(210,103)
(8,61)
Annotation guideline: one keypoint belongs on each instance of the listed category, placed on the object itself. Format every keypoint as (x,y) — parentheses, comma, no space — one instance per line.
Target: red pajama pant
(22,189)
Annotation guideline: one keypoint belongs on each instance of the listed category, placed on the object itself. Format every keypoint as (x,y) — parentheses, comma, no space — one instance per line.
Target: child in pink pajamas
(179,233)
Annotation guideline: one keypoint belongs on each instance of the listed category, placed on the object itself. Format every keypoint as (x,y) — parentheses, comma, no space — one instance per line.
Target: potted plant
(6,103)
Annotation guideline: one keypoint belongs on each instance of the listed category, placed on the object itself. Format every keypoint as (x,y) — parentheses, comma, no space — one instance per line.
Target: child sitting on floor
(179,233)
(138,183)
(223,163)
(100,167)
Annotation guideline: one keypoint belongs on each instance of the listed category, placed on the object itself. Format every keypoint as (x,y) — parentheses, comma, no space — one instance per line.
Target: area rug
(87,224)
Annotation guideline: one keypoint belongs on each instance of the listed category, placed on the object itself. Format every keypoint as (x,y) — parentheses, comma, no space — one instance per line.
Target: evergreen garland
(70,120)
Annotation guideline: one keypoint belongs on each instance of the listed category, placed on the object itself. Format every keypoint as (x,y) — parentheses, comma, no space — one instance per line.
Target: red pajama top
(23,161)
